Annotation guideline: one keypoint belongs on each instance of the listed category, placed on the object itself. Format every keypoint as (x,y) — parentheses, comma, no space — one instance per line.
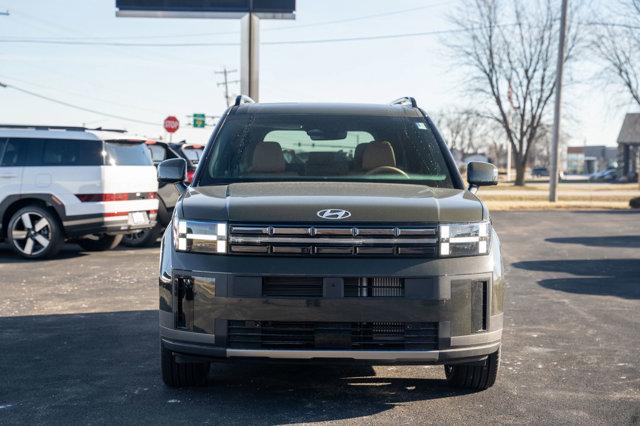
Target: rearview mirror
(481,174)
(172,171)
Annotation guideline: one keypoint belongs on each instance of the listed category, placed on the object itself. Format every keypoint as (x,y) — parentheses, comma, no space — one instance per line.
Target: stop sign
(171,124)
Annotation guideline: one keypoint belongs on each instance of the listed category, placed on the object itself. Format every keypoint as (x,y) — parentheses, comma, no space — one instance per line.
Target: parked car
(60,184)
(190,152)
(167,195)
(540,172)
(607,175)
(362,243)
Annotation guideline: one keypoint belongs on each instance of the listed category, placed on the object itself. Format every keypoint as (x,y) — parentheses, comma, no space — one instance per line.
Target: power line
(81,108)
(207,44)
(84,95)
(288,27)
(48,25)
(611,24)
(272,43)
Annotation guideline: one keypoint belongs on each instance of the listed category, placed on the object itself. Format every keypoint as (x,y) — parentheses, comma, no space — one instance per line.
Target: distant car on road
(540,172)
(59,183)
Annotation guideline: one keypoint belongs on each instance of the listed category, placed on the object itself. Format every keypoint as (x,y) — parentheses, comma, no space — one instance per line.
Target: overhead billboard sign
(273,9)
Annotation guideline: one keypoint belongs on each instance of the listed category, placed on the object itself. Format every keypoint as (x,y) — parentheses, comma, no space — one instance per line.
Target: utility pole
(553,179)
(226,82)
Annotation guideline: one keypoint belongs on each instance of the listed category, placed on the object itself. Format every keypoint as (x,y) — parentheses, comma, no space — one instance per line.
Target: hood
(300,202)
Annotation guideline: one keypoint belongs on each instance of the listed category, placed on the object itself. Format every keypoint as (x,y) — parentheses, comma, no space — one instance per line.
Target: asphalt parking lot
(78,343)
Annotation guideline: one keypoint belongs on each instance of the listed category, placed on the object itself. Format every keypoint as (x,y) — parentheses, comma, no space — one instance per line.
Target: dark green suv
(330,232)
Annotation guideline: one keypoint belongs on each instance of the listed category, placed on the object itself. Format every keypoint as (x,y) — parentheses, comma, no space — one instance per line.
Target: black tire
(35,232)
(472,376)
(142,238)
(100,242)
(182,374)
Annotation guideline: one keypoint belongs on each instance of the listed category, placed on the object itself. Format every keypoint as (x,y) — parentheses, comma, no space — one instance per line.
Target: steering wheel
(382,169)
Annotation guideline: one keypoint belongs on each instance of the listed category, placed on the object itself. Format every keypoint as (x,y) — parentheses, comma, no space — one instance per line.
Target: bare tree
(618,46)
(465,130)
(510,55)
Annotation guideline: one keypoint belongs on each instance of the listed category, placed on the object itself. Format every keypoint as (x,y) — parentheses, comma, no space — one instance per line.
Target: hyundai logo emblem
(334,214)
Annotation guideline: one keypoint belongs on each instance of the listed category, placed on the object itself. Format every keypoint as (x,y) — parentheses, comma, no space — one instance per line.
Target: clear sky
(149,83)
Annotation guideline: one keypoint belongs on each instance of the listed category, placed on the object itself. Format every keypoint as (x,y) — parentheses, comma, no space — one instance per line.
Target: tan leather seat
(378,154)
(268,158)
(357,156)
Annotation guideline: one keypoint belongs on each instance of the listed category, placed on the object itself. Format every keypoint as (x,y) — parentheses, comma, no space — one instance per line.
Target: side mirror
(481,174)
(173,171)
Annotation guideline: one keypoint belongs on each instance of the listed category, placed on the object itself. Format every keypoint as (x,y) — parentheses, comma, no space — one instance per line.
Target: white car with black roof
(62,184)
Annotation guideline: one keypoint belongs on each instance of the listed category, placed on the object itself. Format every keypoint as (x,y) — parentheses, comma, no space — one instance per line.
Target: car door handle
(8,176)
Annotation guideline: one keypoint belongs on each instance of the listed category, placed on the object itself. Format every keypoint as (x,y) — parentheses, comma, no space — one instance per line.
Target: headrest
(268,158)
(378,154)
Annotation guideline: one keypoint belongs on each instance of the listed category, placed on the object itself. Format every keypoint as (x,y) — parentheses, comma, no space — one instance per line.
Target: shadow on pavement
(104,367)
(68,252)
(604,277)
(630,241)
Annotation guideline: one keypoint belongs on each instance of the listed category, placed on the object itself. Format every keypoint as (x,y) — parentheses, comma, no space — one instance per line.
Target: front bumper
(184,345)
(201,296)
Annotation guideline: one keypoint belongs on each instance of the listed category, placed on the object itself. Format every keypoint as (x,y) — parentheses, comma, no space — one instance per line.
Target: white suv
(60,184)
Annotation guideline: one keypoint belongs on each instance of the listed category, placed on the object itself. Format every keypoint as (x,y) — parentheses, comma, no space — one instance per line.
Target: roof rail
(242,99)
(406,101)
(70,128)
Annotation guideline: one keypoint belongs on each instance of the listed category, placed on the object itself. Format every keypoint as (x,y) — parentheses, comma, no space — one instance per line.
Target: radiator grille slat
(315,240)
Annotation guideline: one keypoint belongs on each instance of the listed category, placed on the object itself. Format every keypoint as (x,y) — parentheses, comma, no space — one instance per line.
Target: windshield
(274,147)
(127,154)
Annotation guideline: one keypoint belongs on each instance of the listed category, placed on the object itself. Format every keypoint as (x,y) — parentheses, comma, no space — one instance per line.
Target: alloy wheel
(135,236)
(31,233)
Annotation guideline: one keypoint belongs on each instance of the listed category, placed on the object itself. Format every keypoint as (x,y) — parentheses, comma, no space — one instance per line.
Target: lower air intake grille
(374,287)
(292,287)
(333,335)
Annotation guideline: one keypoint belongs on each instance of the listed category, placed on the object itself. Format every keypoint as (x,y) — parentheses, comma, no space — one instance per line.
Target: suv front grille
(332,241)
(333,335)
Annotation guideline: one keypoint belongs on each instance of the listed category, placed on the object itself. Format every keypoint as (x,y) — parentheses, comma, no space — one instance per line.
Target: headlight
(464,239)
(199,237)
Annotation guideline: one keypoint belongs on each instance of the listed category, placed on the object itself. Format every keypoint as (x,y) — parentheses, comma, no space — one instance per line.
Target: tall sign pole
(249,56)
(553,179)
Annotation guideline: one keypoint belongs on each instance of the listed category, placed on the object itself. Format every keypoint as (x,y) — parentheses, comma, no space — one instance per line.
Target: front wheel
(472,376)
(181,374)
(100,242)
